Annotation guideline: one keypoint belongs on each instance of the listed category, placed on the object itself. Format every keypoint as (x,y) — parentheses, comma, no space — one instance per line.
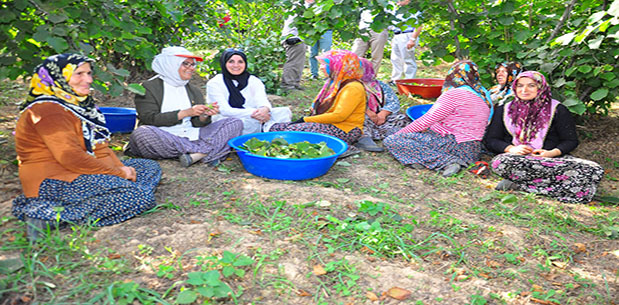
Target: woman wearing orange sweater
(339,108)
(66,168)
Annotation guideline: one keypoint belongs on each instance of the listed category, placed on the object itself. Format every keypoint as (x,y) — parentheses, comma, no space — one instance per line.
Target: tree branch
(452,23)
(566,15)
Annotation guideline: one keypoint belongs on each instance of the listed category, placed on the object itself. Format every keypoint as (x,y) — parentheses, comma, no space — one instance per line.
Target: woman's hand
(261,114)
(372,115)
(130,173)
(196,110)
(381,117)
(211,109)
(547,153)
(519,150)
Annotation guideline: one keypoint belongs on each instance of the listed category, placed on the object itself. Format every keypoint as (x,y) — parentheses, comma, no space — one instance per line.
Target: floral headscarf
(374,91)
(529,117)
(503,93)
(342,67)
(465,73)
(50,84)
(235,99)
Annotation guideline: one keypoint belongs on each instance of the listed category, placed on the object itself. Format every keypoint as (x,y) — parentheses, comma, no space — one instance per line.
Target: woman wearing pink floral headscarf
(534,133)
(339,108)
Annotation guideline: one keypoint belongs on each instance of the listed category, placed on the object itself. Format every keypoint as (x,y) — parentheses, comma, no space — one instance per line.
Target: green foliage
(122,35)
(280,148)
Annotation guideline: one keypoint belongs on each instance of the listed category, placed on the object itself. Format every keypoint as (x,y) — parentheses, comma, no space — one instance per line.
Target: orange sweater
(348,110)
(49,144)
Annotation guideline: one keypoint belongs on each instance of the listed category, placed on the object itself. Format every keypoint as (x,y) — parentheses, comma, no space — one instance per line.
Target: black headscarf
(236,99)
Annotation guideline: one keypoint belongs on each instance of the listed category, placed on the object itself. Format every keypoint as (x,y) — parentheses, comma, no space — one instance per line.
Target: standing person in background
(295,56)
(321,46)
(376,41)
(403,44)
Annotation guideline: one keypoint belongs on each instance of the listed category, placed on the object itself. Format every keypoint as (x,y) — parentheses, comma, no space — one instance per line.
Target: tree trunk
(452,23)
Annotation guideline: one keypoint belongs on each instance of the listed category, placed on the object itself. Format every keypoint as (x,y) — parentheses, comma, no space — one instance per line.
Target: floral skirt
(328,129)
(568,179)
(394,122)
(431,149)
(100,199)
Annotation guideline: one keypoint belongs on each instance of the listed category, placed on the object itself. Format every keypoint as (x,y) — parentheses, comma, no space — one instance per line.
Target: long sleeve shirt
(49,144)
(561,134)
(348,110)
(255,97)
(459,112)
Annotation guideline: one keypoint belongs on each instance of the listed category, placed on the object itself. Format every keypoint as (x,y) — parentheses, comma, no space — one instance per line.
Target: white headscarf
(169,61)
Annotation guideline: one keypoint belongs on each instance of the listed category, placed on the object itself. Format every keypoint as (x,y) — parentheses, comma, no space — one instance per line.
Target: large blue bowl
(288,169)
(119,119)
(415,112)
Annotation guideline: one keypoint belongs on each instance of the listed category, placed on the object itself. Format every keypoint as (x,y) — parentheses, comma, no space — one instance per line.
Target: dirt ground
(466,243)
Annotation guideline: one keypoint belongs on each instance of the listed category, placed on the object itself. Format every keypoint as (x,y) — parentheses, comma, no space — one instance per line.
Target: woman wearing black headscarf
(242,96)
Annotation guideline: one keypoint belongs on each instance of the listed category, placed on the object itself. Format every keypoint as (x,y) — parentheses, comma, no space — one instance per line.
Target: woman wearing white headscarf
(174,121)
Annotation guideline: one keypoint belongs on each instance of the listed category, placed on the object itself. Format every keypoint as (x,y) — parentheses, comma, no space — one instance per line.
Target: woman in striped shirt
(449,135)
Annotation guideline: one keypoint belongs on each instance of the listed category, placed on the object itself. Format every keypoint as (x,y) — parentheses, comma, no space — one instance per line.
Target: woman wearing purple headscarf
(533,134)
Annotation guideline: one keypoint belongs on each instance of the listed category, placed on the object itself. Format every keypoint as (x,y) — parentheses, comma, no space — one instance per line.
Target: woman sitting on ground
(533,134)
(339,108)
(67,171)
(174,121)
(381,115)
(449,135)
(504,73)
(242,95)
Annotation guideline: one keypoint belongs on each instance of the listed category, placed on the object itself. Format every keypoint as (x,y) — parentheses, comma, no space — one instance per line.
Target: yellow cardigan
(348,110)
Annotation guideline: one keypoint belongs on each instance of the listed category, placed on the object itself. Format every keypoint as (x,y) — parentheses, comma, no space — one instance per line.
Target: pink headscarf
(342,67)
(373,89)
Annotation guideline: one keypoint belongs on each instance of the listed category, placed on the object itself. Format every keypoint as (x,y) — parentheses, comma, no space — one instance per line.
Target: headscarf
(342,66)
(167,63)
(464,73)
(373,89)
(235,99)
(502,93)
(530,117)
(50,84)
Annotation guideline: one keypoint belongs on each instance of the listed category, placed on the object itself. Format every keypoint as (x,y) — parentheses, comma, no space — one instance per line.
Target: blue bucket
(415,112)
(288,169)
(119,119)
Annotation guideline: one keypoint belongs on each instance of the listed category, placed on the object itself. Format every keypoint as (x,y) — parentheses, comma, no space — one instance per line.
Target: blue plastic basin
(288,169)
(119,119)
(415,112)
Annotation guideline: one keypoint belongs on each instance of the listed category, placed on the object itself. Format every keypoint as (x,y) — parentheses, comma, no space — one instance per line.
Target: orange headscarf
(342,66)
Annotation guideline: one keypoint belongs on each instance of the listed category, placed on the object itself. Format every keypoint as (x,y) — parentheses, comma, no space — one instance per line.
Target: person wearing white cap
(174,120)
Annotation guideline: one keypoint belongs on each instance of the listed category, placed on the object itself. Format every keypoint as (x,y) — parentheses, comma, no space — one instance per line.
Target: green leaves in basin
(280,148)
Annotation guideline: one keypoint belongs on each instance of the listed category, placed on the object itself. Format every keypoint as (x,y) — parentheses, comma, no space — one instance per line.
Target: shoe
(213,163)
(392,83)
(36,228)
(352,150)
(417,166)
(314,77)
(451,169)
(366,143)
(186,160)
(127,150)
(506,185)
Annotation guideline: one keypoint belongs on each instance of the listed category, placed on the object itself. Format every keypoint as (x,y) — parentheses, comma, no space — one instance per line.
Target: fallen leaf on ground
(26,299)
(215,233)
(399,293)
(319,270)
(365,249)
(114,256)
(493,264)
(580,248)
(544,302)
(461,278)
(537,288)
(371,295)
(561,265)
(484,275)
(303,293)
(195,222)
